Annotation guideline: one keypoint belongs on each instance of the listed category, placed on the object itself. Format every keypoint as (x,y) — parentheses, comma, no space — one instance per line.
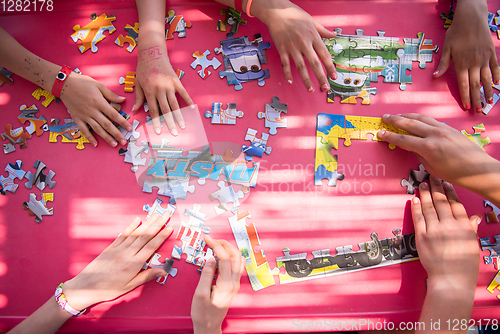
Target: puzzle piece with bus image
(330,128)
(360,59)
(247,239)
(93,32)
(69,132)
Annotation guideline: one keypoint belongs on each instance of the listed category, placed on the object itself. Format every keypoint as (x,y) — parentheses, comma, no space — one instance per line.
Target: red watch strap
(60,79)
(238,5)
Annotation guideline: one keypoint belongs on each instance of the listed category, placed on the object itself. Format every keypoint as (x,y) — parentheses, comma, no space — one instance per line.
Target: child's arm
(211,302)
(469,43)
(296,35)
(446,153)
(85,98)
(156,81)
(116,271)
(447,246)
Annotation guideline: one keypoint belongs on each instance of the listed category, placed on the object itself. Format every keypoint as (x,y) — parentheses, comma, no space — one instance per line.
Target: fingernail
(130,128)
(161,275)
(310,89)
(192,106)
(415,200)
(133,108)
(210,262)
(436,72)
(158,131)
(479,109)
(290,81)
(385,116)
(479,220)
(490,100)
(497,82)
(123,142)
(325,87)
(467,106)
(174,132)
(182,125)
(333,76)
(94,144)
(381,132)
(121,97)
(447,184)
(113,143)
(424,185)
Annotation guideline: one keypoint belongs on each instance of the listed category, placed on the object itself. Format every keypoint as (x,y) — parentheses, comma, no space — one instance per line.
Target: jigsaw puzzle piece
(39,92)
(258,145)
(93,32)
(272,115)
(36,125)
(494,250)
(5,76)
(69,131)
(14,136)
(495,284)
(157,208)
(203,61)
(39,208)
(133,154)
(225,195)
(128,81)
(176,24)
(40,179)
(223,116)
(491,217)
(154,262)
(488,106)
(233,19)
(476,135)
(15,172)
(130,38)
(414,179)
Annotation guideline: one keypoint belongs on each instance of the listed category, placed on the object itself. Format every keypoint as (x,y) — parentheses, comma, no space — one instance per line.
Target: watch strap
(61,77)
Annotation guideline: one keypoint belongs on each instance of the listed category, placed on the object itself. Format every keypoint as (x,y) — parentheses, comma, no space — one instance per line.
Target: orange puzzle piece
(93,32)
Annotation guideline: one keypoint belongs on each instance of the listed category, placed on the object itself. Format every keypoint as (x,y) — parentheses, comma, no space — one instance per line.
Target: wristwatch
(60,79)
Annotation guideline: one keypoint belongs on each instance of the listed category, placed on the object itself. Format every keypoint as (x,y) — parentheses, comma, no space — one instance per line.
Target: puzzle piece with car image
(69,132)
(13,137)
(15,172)
(272,115)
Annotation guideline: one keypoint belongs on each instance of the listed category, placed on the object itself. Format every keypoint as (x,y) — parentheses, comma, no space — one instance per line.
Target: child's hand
(157,82)
(444,151)
(87,102)
(211,302)
(297,35)
(117,270)
(469,43)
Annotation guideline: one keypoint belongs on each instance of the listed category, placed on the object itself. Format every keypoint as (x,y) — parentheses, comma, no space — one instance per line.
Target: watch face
(61,76)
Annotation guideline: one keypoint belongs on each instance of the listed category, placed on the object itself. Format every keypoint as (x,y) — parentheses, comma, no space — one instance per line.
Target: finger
(142,228)
(106,119)
(235,255)
(152,245)
(417,125)
(110,95)
(475,220)
(169,119)
(463,87)
(486,82)
(417,216)
(494,69)
(98,128)
(428,210)
(326,59)
(126,233)
(113,114)
(323,32)
(174,105)
(84,129)
(444,63)
(287,71)
(177,114)
(146,236)
(204,287)
(303,72)
(457,207)
(224,260)
(154,111)
(144,277)
(475,88)
(439,198)
(139,98)
(184,94)
(318,71)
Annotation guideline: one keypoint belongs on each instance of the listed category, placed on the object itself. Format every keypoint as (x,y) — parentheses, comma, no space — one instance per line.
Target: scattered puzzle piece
(180,73)
(39,208)
(448,18)
(16,136)
(5,76)
(93,32)
(247,239)
(414,179)
(203,61)
(157,208)
(225,195)
(233,19)
(257,147)
(154,262)
(487,106)
(175,189)
(495,284)
(476,136)
(15,172)
(37,125)
(131,38)
(494,250)
(243,60)
(223,116)
(39,92)
(133,154)
(69,131)
(190,234)
(128,81)
(176,24)
(491,217)
(40,179)
(272,115)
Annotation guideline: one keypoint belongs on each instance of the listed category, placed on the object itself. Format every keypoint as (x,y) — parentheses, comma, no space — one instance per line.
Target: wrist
(64,304)
(456,288)
(262,9)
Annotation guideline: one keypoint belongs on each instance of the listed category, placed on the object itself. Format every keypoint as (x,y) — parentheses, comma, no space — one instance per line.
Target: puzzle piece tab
(40,179)
(223,116)
(494,251)
(414,179)
(128,81)
(476,136)
(39,208)
(272,115)
(154,262)
(69,131)
(176,24)
(203,61)
(36,125)
(93,32)
(15,172)
(16,136)
(39,92)
(233,20)
(257,147)
(131,38)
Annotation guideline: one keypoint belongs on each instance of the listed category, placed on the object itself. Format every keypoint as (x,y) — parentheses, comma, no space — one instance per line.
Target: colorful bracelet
(60,79)
(63,302)
(249,3)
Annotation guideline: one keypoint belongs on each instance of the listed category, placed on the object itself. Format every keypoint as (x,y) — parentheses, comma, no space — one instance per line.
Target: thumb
(323,32)
(475,220)
(444,63)
(204,287)
(111,96)
(146,276)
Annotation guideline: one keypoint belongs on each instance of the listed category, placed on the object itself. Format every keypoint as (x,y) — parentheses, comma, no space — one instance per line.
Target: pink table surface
(97,195)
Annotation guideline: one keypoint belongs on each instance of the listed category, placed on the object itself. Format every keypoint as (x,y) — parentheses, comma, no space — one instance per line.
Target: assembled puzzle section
(360,59)
(69,132)
(247,239)
(257,147)
(13,137)
(191,235)
(176,24)
(372,254)
(154,262)
(15,172)
(494,250)
(202,60)
(476,136)
(243,60)
(272,115)
(36,125)
(40,179)
(223,116)
(232,20)
(93,32)
(38,208)
(415,177)
(130,38)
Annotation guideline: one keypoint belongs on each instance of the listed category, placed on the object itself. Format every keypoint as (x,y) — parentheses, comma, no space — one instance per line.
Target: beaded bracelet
(63,302)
